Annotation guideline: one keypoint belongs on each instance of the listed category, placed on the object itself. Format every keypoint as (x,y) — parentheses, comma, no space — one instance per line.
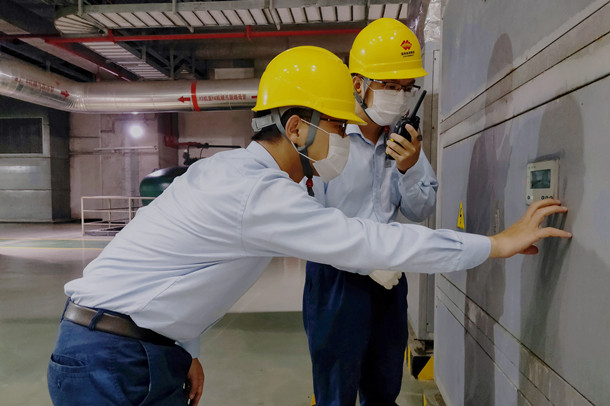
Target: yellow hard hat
(386,49)
(310,77)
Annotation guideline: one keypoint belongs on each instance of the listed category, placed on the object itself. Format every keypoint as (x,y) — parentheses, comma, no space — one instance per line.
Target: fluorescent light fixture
(344,13)
(299,15)
(375,11)
(313,14)
(403,11)
(358,13)
(163,20)
(328,14)
(246,17)
(391,10)
(220,17)
(285,15)
(205,17)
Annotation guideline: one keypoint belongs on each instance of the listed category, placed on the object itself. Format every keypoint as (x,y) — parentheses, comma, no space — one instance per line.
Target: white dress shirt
(186,258)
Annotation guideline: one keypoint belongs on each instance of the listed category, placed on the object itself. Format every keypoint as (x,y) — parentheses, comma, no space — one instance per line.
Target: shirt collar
(262,154)
(353,130)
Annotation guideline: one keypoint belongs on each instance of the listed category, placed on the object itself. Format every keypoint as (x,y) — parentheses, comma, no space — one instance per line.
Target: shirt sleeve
(192,346)
(319,188)
(417,189)
(281,220)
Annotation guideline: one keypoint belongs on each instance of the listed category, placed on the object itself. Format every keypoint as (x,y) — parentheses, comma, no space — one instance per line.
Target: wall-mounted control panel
(542,178)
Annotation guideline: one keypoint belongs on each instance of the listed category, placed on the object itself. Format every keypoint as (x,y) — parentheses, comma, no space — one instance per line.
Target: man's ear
(292,128)
(357,80)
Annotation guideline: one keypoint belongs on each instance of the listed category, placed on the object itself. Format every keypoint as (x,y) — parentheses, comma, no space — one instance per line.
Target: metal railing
(112,213)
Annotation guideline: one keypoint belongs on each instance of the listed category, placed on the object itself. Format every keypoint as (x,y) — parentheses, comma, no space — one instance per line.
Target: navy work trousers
(93,368)
(357,332)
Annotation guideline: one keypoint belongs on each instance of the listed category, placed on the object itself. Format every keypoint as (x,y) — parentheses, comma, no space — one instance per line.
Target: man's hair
(271,133)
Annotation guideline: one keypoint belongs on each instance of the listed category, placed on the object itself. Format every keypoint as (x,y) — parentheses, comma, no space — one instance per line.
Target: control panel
(542,178)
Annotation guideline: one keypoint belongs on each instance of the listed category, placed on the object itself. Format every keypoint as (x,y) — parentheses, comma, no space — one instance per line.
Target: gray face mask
(336,159)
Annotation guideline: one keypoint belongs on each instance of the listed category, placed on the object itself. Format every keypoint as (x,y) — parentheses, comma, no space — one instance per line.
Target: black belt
(109,323)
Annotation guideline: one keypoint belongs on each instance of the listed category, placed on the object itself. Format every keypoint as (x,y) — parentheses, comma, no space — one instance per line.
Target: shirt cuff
(413,175)
(476,250)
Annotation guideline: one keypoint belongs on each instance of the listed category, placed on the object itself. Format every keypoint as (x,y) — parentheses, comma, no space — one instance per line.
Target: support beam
(37,57)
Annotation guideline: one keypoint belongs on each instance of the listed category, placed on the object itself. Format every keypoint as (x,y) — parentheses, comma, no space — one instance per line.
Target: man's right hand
(520,237)
(194,382)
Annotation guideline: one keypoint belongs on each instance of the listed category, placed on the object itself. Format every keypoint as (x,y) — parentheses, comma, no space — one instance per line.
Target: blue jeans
(90,367)
(357,332)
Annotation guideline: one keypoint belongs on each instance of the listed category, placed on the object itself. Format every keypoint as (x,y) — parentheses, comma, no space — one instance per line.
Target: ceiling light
(136,130)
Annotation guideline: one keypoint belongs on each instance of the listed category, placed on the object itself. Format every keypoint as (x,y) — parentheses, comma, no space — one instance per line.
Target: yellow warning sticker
(460,221)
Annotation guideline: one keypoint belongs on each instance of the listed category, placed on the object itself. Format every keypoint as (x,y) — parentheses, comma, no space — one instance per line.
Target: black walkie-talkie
(412,119)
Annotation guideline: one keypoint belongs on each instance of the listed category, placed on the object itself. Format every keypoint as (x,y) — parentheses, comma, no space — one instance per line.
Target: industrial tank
(156,182)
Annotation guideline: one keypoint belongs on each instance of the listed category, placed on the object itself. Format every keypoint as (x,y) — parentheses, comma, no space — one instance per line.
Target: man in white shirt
(187,257)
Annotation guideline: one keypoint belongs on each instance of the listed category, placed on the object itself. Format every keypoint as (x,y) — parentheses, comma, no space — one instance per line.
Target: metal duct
(25,82)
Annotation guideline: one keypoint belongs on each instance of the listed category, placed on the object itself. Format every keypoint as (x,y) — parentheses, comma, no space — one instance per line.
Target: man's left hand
(404,152)
(194,382)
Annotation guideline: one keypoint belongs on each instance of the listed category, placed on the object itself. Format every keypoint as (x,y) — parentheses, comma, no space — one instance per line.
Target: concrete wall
(230,127)
(107,160)
(521,81)
(34,187)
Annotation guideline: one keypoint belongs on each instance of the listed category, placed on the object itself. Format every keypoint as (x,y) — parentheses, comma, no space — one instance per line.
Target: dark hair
(271,133)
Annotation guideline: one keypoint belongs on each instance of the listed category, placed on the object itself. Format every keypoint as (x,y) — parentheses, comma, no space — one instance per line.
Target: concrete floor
(256,355)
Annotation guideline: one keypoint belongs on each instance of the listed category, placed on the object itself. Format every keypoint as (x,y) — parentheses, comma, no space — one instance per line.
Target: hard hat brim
(351,118)
(392,74)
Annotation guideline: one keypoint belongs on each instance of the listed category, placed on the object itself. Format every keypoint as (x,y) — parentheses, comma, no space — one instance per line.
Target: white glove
(387,279)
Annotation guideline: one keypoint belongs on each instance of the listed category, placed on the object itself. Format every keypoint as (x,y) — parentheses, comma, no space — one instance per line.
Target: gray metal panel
(552,302)
(36,187)
(24,173)
(527,330)
(25,205)
(470,31)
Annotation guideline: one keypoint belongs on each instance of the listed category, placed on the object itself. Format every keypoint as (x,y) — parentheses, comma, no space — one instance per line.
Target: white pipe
(25,82)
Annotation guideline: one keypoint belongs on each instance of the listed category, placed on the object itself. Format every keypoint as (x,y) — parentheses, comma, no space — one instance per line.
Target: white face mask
(388,106)
(336,159)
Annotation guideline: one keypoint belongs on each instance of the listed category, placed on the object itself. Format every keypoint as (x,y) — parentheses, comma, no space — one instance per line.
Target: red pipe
(248,34)
(58,41)
(172,142)
(304,32)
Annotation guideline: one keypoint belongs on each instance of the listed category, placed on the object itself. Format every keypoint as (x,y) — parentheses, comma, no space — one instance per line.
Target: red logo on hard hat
(406,45)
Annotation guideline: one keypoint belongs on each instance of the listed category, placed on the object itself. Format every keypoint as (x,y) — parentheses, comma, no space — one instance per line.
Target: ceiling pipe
(248,33)
(26,82)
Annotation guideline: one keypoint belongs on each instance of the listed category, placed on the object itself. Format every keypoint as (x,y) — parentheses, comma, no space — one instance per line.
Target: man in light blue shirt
(356,325)
(187,257)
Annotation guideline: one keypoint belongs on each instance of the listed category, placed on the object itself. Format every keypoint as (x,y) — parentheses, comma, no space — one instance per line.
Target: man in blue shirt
(130,331)
(357,328)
